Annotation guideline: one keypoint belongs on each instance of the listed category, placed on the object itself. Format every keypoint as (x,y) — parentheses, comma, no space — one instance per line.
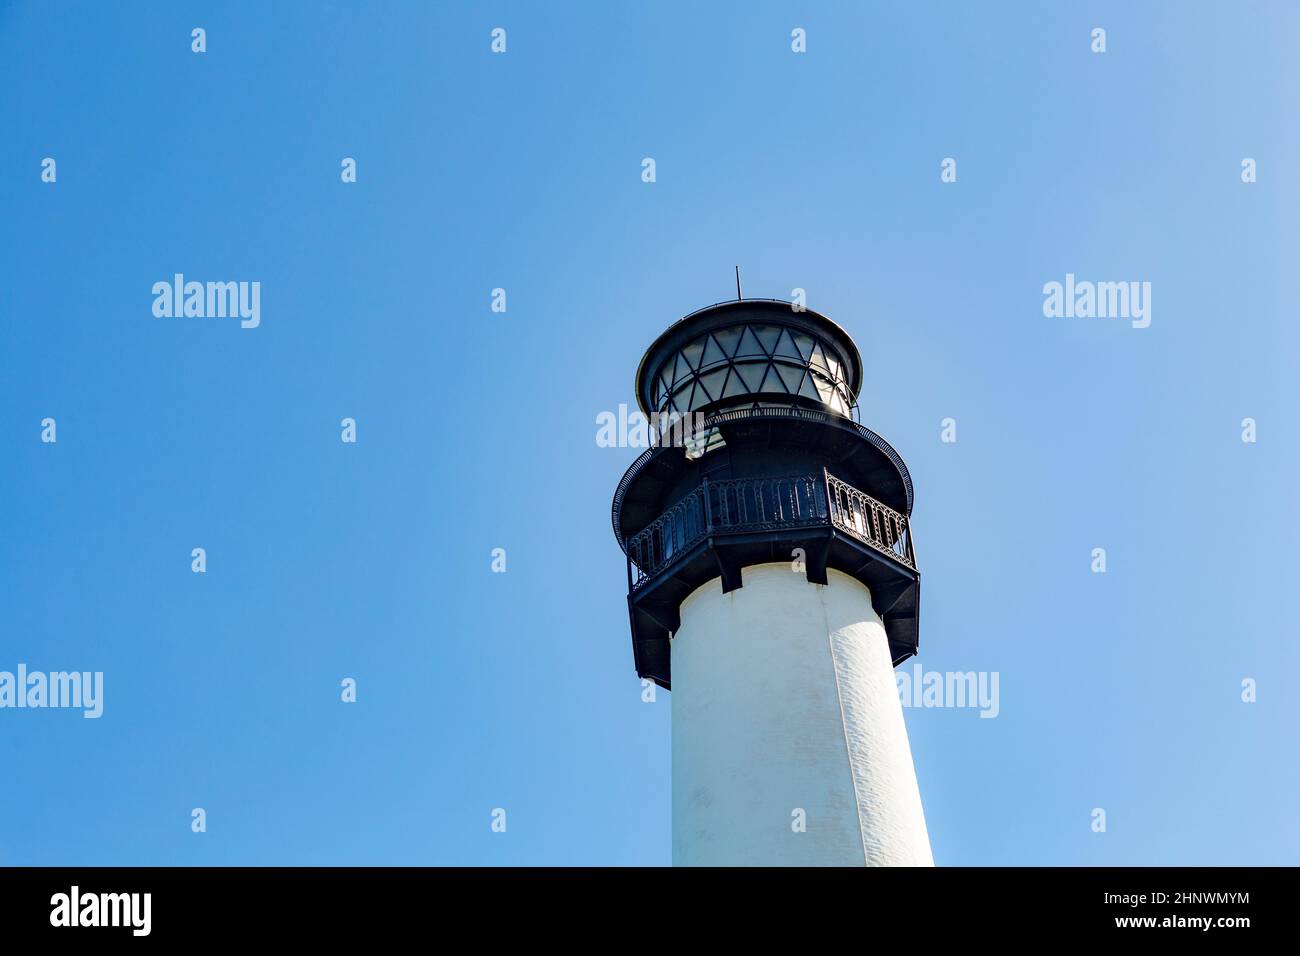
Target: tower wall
(784,698)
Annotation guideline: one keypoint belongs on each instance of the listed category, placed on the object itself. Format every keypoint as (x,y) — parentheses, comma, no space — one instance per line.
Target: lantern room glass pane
(772,381)
(713,382)
(767,336)
(712,354)
(824,388)
(693,352)
(833,364)
(728,339)
(785,347)
(751,373)
(749,345)
(818,359)
(791,375)
(734,386)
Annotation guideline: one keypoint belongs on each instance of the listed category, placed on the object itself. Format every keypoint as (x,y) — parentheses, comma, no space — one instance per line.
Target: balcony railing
(871,521)
(766,504)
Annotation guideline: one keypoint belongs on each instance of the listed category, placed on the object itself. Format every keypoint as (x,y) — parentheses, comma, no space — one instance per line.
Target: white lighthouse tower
(772,587)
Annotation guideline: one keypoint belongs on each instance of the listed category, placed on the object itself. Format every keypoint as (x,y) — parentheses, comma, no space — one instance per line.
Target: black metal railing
(668,536)
(766,504)
(762,504)
(871,521)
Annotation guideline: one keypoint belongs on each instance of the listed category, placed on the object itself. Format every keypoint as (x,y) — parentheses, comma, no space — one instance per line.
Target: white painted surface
(784,698)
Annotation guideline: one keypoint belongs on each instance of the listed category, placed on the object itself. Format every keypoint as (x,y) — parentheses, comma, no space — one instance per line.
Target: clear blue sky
(477,430)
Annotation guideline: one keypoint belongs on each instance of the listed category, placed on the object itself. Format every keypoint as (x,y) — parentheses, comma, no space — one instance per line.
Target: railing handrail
(832,481)
(896,538)
(833,502)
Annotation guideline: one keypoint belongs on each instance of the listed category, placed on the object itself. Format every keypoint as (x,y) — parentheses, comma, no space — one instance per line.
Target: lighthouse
(772,589)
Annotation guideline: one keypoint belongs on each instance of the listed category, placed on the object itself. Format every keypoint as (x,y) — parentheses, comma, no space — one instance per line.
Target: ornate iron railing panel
(869,520)
(735,506)
(668,536)
(763,504)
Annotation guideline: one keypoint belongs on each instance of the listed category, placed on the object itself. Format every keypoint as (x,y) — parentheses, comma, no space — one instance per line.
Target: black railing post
(708,507)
